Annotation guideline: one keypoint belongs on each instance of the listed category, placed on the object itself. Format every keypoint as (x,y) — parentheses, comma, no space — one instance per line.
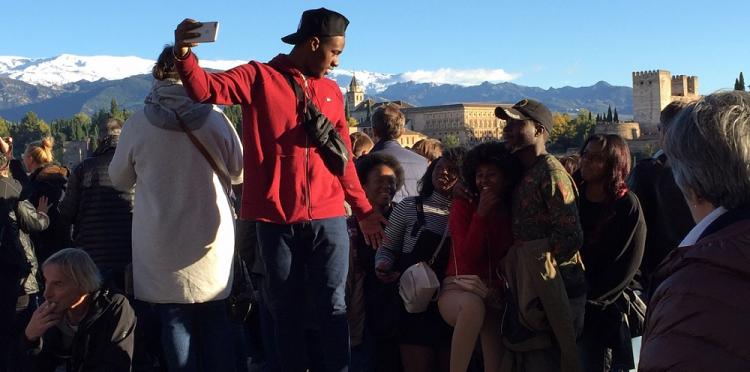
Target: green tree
(739,83)
(451,140)
(616,117)
(609,114)
(234,113)
(5,128)
(30,129)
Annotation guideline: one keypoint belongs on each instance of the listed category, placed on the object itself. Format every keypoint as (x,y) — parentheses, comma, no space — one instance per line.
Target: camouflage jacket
(544,207)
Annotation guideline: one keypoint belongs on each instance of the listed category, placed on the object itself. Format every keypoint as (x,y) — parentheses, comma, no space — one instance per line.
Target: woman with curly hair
(481,233)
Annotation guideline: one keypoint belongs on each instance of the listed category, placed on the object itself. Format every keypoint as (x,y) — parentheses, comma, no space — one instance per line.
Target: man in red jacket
(297,201)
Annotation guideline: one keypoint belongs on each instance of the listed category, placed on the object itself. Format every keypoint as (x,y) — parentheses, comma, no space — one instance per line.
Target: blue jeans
(310,257)
(195,337)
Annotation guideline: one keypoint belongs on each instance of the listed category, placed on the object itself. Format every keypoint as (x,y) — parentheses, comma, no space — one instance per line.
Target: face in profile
(60,289)
(381,185)
(325,54)
(444,176)
(519,134)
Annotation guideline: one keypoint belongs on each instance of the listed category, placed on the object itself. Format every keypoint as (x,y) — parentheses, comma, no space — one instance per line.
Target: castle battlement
(655,89)
(649,73)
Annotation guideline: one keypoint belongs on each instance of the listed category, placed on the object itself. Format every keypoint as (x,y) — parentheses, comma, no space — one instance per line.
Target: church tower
(355,95)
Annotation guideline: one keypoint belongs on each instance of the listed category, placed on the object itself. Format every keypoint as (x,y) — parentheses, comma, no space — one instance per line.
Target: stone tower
(653,90)
(355,95)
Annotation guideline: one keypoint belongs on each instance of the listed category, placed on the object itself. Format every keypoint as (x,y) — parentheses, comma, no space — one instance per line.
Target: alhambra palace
(471,123)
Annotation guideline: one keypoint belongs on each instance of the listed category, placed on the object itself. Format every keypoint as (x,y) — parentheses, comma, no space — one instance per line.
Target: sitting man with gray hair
(79,326)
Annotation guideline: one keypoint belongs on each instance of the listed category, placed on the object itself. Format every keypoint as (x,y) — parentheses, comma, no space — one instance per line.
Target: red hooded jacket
(285,179)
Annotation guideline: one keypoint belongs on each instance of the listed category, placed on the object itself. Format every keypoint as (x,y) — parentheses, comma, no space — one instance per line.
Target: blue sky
(537,43)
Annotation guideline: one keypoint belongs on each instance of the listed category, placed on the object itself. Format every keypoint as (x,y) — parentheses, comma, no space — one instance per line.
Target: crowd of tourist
(357,254)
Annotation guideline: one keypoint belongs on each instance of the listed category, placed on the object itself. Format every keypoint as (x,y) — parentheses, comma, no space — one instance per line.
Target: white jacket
(183,229)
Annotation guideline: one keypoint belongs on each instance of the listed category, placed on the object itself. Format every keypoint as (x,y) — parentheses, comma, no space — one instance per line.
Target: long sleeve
(17,171)
(223,88)
(353,192)
(468,234)
(29,220)
(395,231)
(122,167)
(619,252)
(566,235)
(68,207)
(234,153)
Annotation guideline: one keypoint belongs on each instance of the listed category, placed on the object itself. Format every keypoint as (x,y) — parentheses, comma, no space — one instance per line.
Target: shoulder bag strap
(420,216)
(439,247)
(226,180)
(421,222)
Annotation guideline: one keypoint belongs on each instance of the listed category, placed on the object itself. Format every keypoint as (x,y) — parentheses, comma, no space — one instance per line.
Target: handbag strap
(420,216)
(439,247)
(223,176)
(421,222)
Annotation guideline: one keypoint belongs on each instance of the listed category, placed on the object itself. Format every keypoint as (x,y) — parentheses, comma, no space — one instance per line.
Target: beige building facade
(468,123)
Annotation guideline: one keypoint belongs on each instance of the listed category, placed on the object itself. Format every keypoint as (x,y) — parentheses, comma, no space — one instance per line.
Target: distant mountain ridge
(62,86)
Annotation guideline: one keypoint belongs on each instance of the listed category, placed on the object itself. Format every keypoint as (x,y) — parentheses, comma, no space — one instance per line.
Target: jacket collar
(109,144)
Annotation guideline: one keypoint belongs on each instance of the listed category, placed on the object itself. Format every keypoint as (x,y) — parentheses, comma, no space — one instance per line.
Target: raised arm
(223,88)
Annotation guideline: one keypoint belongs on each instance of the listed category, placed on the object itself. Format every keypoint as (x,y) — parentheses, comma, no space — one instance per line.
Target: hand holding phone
(190,32)
(207,33)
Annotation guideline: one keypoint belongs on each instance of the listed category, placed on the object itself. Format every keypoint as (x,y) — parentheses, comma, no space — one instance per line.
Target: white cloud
(466,77)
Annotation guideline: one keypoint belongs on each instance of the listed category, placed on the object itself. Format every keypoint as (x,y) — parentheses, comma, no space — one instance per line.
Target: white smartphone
(208,32)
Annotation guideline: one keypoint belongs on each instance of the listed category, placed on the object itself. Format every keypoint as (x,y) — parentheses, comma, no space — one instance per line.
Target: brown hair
(571,163)
(41,151)
(164,67)
(388,122)
(430,148)
(670,111)
(360,142)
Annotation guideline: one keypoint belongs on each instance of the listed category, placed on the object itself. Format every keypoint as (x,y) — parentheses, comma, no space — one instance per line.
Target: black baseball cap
(527,109)
(317,22)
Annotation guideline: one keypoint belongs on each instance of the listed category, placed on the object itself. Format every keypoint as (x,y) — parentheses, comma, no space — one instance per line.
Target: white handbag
(419,285)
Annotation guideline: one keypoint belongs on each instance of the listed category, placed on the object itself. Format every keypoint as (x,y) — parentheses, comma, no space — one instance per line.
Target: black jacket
(49,181)
(102,216)
(18,218)
(103,342)
(665,210)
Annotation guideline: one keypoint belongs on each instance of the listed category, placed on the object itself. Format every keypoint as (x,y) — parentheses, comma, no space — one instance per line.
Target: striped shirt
(399,237)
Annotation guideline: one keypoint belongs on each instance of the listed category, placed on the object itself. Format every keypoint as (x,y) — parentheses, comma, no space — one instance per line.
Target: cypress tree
(609,114)
(617,119)
(741,82)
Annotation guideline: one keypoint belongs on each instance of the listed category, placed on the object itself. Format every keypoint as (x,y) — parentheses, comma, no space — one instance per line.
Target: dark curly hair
(453,154)
(367,163)
(492,153)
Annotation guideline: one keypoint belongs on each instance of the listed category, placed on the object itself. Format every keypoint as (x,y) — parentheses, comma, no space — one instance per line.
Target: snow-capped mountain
(62,86)
(67,68)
